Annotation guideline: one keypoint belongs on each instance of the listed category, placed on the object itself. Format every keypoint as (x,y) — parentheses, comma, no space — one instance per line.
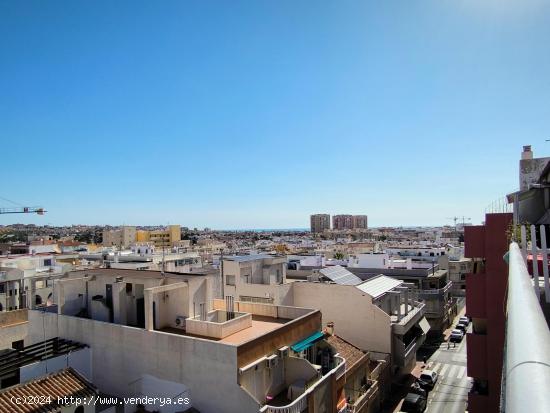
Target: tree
(338,255)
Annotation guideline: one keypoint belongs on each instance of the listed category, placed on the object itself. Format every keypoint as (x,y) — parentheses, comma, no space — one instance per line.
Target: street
(450,394)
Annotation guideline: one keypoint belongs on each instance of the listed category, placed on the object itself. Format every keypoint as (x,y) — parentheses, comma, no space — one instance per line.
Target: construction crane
(464,219)
(23,210)
(20,209)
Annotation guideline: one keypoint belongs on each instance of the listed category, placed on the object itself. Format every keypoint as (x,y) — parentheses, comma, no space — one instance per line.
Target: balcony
(405,353)
(359,399)
(405,323)
(301,403)
(435,291)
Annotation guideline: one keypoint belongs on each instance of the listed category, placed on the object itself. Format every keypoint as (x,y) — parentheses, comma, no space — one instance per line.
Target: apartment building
(458,270)
(167,335)
(168,237)
(319,223)
(485,303)
(257,278)
(430,283)
(342,222)
(379,315)
(26,280)
(121,238)
(360,222)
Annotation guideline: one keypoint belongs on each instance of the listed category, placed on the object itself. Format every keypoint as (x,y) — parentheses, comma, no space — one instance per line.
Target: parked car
(456,336)
(417,389)
(464,320)
(427,379)
(462,327)
(414,403)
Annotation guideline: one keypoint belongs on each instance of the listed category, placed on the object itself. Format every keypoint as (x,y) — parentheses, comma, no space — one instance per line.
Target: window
(48,262)
(2,288)
(18,345)
(229,280)
(128,288)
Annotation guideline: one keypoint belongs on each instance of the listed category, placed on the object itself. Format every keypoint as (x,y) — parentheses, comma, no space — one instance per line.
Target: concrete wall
(216,329)
(13,327)
(356,319)
(121,355)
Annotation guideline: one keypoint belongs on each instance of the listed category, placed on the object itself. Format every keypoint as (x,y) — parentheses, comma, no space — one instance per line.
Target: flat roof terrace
(260,325)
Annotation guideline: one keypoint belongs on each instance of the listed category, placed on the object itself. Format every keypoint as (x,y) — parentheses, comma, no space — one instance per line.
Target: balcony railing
(364,395)
(443,290)
(526,372)
(300,404)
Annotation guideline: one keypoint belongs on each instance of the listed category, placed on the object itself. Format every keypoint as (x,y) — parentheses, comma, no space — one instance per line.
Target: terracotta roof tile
(347,350)
(64,383)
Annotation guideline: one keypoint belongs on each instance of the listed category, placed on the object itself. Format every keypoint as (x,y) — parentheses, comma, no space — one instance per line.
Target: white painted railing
(300,404)
(340,366)
(526,370)
(530,245)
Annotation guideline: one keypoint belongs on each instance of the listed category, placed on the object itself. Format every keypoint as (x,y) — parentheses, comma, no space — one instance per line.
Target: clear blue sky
(243,114)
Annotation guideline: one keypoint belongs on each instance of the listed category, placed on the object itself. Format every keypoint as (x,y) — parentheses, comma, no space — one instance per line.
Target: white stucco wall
(356,319)
(121,355)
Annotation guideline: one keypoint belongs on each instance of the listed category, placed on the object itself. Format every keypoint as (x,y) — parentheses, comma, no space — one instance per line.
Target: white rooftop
(378,286)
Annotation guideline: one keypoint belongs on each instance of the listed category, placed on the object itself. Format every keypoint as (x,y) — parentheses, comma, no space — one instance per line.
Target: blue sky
(254,114)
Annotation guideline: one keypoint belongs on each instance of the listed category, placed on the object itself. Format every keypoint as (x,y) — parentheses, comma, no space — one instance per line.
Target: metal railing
(526,372)
(531,237)
(435,291)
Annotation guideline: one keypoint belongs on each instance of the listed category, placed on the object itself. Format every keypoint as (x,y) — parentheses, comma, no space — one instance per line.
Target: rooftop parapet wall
(217,329)
(266,310)
(8,318)
(288,333)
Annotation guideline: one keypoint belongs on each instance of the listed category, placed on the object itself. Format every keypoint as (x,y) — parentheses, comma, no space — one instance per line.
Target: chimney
(527,153)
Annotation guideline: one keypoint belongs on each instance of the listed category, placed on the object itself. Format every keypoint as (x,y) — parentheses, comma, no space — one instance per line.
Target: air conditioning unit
(180,322)
(283,352)
(271,361)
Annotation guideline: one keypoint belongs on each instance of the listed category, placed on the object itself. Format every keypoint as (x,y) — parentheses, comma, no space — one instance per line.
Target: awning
(424,325)
(306,343)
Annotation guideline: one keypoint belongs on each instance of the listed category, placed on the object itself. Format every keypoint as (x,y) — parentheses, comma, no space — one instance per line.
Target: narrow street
(450,394)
